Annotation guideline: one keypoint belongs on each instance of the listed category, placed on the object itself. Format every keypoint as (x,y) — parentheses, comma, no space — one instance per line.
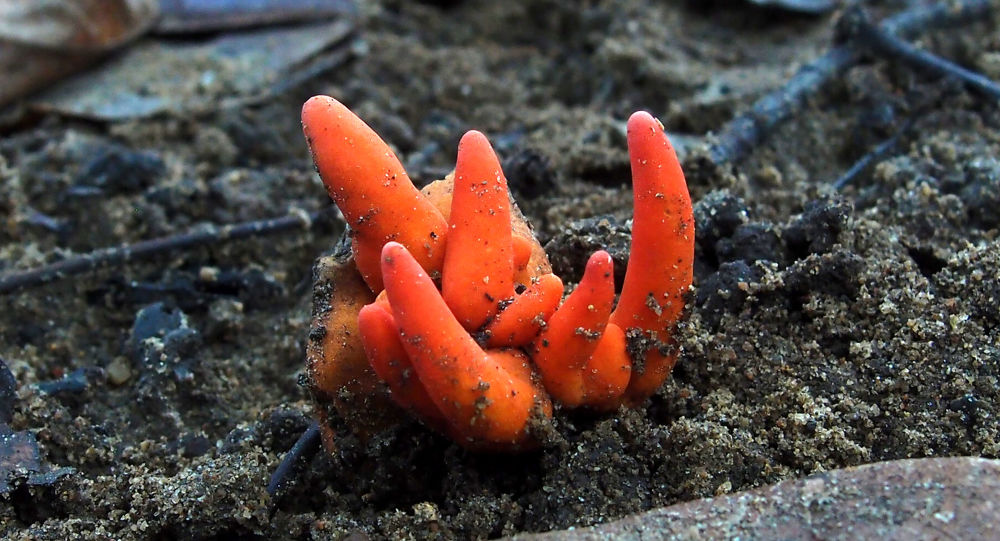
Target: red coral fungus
(472,358)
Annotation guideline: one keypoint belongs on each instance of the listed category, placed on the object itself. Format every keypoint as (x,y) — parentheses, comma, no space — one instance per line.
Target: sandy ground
(827,330)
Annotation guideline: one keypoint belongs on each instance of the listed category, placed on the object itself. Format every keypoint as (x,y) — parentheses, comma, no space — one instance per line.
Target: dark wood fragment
(742,134)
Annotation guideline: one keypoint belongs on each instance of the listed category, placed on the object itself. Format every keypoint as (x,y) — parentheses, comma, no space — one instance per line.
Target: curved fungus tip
(371,188)
(525,315)
(661,262)
(563,350)
(478,266)
(486,397)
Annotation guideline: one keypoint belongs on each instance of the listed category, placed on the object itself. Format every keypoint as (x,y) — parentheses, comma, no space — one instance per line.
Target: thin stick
(893,48)
(868,159)
(120,255)
(746,131)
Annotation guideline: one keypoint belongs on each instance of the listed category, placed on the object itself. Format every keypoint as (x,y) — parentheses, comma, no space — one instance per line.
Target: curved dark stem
(868,159)
(746,131)
(8,397)
(306,446)
(120,255)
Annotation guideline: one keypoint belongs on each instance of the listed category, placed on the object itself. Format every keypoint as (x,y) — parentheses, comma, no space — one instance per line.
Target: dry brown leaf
(44,40)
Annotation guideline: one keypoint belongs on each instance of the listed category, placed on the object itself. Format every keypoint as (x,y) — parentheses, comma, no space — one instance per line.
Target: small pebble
(119,371)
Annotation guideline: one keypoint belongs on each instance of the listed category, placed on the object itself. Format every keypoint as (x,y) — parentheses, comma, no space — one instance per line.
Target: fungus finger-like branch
(389,360)
(478,269)
(522,248)
(371,188)
(608,371)
(571,335)
(520,322)
(660,266)
(488,398)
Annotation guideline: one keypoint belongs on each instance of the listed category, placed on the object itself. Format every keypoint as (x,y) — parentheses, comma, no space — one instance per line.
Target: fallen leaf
(44,40)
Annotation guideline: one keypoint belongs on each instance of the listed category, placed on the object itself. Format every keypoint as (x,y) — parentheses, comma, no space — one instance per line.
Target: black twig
(868,159)
(746,131)
(120,255)
(305,447)
(879,41)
